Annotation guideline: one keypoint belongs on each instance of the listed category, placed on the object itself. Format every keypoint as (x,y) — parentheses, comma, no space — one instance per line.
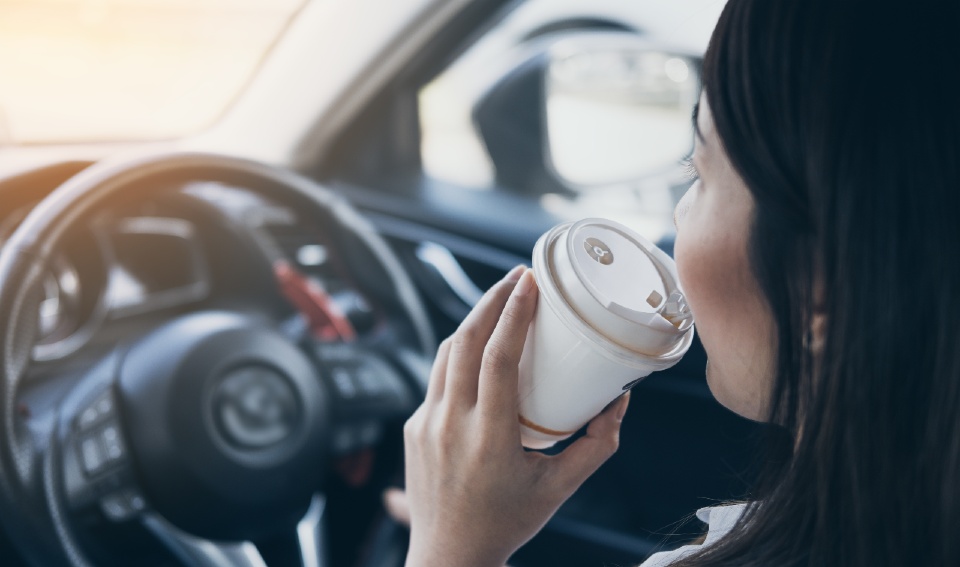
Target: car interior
(208,356)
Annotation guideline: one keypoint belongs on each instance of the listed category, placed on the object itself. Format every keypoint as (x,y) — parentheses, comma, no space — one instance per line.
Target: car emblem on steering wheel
(255,407)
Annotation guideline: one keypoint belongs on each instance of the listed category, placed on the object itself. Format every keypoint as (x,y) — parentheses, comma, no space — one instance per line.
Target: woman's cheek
(703,285)
(683,206)
(693,259)
(688,244)
(732,322)
(700,254)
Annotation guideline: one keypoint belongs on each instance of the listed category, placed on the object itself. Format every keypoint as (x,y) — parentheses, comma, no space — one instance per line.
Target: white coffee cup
(610,312)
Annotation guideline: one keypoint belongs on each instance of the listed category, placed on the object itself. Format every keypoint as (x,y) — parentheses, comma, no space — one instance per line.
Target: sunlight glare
(113,70)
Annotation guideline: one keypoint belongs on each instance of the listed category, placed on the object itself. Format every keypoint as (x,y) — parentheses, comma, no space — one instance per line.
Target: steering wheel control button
(343,381)
(88,418)
(101,449)
(105,405)
(92,455)
(363,380)
(122,506)
(255,407)
(110,437)
(370,381)
(96,412)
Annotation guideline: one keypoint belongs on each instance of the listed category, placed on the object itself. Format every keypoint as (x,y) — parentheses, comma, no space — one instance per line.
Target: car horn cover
(230,424)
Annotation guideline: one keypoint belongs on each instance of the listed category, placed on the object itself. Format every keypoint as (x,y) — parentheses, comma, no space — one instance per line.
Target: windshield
(116,70)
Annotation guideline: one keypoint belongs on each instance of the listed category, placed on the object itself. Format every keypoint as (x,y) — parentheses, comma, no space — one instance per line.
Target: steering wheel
(161,431)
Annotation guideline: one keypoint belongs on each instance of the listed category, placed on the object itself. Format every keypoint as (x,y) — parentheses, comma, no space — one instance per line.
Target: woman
(819,252)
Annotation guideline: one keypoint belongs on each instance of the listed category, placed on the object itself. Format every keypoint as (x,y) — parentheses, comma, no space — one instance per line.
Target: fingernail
(624,403)
(525,285)
(514,274)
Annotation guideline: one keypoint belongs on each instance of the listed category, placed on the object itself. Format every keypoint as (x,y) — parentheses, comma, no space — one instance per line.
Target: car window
(115,70)
(606,133)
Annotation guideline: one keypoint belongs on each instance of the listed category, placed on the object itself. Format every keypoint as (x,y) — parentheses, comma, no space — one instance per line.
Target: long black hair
(843,120)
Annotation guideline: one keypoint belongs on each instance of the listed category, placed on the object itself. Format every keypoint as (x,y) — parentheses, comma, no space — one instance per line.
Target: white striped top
(719,519)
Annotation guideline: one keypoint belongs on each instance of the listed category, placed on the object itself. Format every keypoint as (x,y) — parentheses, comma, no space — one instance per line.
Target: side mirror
(617,109)
(510,120)
(587,108)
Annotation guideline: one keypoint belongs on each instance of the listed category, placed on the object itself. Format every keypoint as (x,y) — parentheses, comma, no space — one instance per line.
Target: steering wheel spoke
(195,551)
(95,451)
(367,390)
(311,536)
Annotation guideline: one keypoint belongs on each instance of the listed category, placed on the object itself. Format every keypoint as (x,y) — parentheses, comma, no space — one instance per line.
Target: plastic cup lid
(619,283)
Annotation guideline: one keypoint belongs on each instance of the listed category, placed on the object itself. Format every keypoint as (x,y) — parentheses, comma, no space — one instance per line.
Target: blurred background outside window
(118,70)
(616,112)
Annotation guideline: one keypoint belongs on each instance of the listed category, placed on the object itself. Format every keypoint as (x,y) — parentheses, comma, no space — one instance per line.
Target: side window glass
(583,105)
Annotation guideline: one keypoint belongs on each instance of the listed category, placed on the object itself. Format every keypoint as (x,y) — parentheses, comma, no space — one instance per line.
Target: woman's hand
(475,495)
(397,505)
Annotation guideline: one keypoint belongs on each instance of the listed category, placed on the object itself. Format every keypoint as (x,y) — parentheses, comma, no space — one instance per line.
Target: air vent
(302,245)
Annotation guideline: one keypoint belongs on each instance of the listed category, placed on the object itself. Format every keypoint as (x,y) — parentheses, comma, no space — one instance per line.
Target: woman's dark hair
(843,120)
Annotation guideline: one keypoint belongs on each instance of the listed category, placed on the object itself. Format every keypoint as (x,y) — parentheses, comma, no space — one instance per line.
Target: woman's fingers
(472,491)
(497,391)
(585,455)
(397,505)
(467,344)
(438,373)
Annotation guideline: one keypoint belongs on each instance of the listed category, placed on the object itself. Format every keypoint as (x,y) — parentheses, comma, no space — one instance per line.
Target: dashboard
(119,266)
(198,245)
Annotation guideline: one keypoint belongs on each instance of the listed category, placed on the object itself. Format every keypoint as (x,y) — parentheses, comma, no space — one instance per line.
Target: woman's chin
(735,399)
